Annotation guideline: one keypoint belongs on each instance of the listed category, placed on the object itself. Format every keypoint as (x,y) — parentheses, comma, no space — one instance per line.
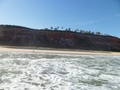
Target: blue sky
(93,15)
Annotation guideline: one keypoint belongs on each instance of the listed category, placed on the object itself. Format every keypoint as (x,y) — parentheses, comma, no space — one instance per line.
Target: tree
(89,32)
(66,29)
(57,27)
(46,28)
(62,27)
(69,29)
(51,28)
(98,33)
(82,31)
(92,33)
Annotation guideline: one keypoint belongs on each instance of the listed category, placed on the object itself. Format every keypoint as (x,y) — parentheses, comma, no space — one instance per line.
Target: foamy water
(33,71)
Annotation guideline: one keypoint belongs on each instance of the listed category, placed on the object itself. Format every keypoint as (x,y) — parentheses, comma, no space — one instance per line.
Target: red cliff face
(16,35)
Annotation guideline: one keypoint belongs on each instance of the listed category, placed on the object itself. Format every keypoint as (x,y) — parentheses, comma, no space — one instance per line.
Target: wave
(33,71)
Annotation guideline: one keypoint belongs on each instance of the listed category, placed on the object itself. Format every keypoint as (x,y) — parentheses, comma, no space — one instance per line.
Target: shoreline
(55,51)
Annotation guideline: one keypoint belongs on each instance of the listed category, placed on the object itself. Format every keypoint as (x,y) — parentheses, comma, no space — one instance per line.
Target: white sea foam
(31,71)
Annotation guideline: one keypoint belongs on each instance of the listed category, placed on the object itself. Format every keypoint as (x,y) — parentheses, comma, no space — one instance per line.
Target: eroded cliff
(22,36)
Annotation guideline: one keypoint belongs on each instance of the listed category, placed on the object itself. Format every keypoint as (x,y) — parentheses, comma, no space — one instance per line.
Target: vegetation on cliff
(53,37)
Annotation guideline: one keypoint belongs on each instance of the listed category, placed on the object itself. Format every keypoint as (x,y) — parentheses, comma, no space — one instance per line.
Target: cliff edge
(22,36)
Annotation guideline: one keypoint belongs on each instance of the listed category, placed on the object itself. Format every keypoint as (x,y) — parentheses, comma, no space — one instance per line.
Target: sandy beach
(54,51)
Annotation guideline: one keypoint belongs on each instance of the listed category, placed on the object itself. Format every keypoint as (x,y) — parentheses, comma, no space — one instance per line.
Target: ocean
(35,71)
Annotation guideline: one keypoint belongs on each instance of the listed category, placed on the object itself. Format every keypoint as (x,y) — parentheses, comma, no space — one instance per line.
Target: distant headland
(55,38)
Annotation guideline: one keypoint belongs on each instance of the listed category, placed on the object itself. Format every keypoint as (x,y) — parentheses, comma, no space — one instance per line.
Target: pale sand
(54,51)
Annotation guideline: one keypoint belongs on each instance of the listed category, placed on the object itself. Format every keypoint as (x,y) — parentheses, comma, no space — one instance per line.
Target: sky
(90,15)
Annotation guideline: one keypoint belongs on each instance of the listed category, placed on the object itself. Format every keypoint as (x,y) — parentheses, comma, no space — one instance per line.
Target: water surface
(33,71)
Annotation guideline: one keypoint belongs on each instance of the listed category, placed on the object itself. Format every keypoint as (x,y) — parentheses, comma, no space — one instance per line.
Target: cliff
(22,36)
